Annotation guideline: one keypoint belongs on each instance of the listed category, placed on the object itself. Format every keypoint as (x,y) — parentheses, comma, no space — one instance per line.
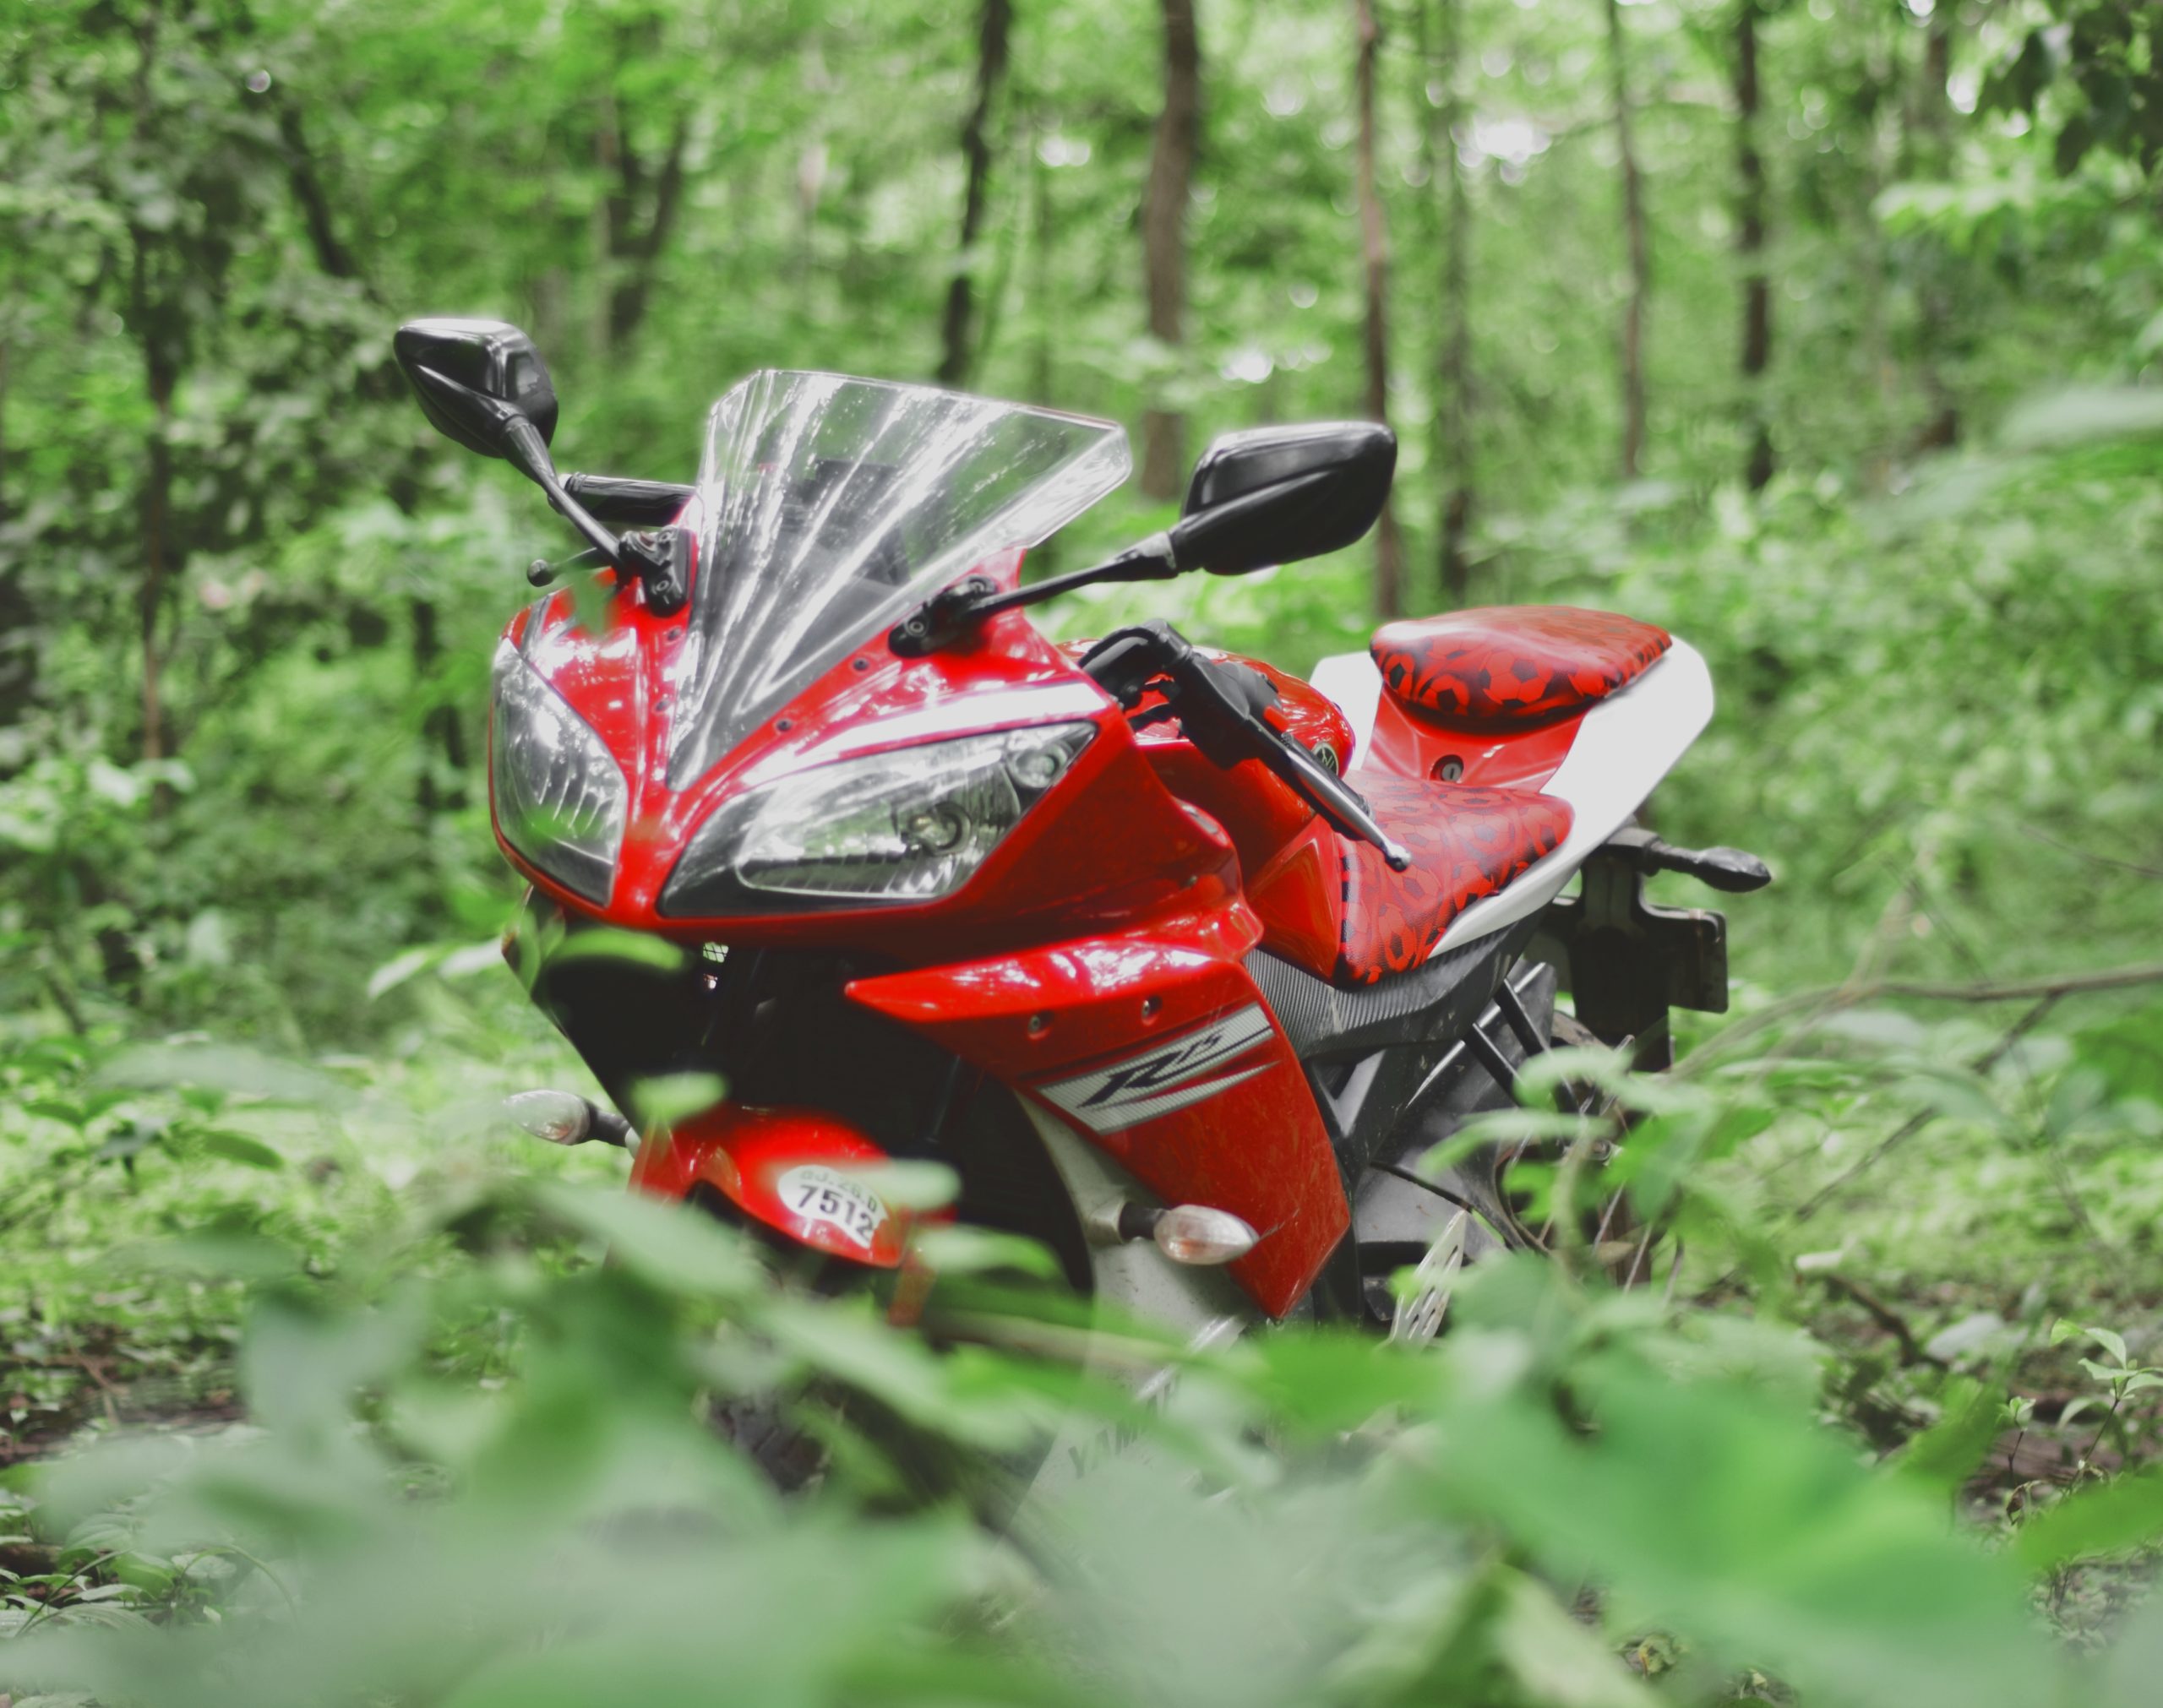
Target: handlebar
(627,503)
(1220,708)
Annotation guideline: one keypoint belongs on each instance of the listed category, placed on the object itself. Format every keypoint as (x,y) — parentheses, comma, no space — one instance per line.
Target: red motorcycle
(1181,964)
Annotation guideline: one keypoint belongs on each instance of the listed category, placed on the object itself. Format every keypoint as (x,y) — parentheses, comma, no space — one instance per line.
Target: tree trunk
(633,221)
(331,253)
(1443,72)
(18,613)
(1040,287)
(1750,248)
(957,355)
(637,246)
(157,319)
(1164,236)
(1880,64)
(1633,233)
(1930,155)
(1374,255)
(161,375)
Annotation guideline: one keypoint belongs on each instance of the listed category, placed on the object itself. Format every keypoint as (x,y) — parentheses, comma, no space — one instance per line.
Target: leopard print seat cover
(1465,843)
(1512,665)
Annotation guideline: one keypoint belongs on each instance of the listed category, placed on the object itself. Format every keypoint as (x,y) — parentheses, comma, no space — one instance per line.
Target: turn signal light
(1189,1233)
(564,1117)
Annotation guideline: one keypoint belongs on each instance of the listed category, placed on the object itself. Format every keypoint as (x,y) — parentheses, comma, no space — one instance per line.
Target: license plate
(826,1195)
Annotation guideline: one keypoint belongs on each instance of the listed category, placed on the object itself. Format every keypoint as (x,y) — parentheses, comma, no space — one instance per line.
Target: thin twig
(2081,1470)
(1912,1351)
(2097,859)
(1831,998)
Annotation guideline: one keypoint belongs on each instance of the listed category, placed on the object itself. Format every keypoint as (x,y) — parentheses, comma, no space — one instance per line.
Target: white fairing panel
(1625,745)
(1351,679)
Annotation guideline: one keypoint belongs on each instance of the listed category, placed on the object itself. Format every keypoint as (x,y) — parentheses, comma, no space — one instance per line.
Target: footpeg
(1418,1316)
(1727,869)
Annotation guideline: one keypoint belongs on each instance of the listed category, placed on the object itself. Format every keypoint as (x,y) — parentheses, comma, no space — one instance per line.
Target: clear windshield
(833,506)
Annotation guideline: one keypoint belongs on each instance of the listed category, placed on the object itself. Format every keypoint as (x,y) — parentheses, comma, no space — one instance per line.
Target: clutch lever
(541,573)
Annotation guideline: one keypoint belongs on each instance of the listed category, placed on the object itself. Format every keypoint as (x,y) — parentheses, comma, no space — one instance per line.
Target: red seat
(1512,665)
(1465,843)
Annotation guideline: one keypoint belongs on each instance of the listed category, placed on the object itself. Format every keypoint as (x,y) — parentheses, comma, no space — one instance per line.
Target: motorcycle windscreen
(832,506)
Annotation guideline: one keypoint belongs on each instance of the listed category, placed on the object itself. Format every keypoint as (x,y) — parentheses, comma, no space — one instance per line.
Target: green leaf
(1557,1661)
(666,1099)
(222,1066)
(399,968)
(2098,1519)
(238,1147)
(607,942)
(2110,1341)
(675,1247)
(907,1183)
(955,1248)
(1945,1455)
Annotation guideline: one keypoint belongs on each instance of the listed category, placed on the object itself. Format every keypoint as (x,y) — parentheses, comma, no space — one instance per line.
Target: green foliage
(409,1438)
(572,1529)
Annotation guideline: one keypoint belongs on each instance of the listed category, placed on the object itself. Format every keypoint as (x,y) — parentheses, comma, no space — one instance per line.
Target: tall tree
(1374,256)
(1929,153)
(995,25)
(1633,237)
(1750,247)
(637,213)
(1872,88)
(1164,235)
(1441,98)
(640,141)
(158,275)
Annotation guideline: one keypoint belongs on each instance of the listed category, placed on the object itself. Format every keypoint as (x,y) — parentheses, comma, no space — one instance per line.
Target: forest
(1827,334)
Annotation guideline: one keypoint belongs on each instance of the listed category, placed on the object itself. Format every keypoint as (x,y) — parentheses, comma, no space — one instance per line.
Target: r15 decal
(1164,1077)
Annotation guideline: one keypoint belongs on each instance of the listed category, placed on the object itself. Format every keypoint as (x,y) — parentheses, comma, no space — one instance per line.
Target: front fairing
(826,509)
(1108,844)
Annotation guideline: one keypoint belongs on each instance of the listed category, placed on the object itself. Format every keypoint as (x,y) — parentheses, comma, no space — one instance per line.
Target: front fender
(796,1170)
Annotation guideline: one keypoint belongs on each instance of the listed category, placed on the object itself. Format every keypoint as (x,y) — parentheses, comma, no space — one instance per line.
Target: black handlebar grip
(627,503)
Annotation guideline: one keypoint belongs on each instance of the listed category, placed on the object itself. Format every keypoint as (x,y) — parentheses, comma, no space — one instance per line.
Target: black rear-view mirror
(1273,495)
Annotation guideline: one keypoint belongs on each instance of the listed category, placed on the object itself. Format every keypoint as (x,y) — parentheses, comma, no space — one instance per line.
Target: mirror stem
(528,453)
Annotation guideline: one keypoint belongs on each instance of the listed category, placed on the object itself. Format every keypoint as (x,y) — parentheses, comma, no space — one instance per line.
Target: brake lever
(1223,717)
(1329,794)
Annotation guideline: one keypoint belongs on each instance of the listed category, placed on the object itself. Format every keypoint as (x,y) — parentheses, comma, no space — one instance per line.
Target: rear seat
(1511,666)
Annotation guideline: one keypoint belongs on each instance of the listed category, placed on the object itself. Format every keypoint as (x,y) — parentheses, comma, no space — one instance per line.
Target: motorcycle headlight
(906,826)
(560,797)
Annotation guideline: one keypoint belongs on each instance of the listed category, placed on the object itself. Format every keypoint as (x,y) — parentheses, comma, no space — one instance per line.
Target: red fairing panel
(1465,844)
(792,1169)
(1155,1046)
(1502,756)
(1258,812)
(1513,664)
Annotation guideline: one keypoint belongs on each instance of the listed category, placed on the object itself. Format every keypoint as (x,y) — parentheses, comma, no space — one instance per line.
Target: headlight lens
(560,797)
(911,825)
